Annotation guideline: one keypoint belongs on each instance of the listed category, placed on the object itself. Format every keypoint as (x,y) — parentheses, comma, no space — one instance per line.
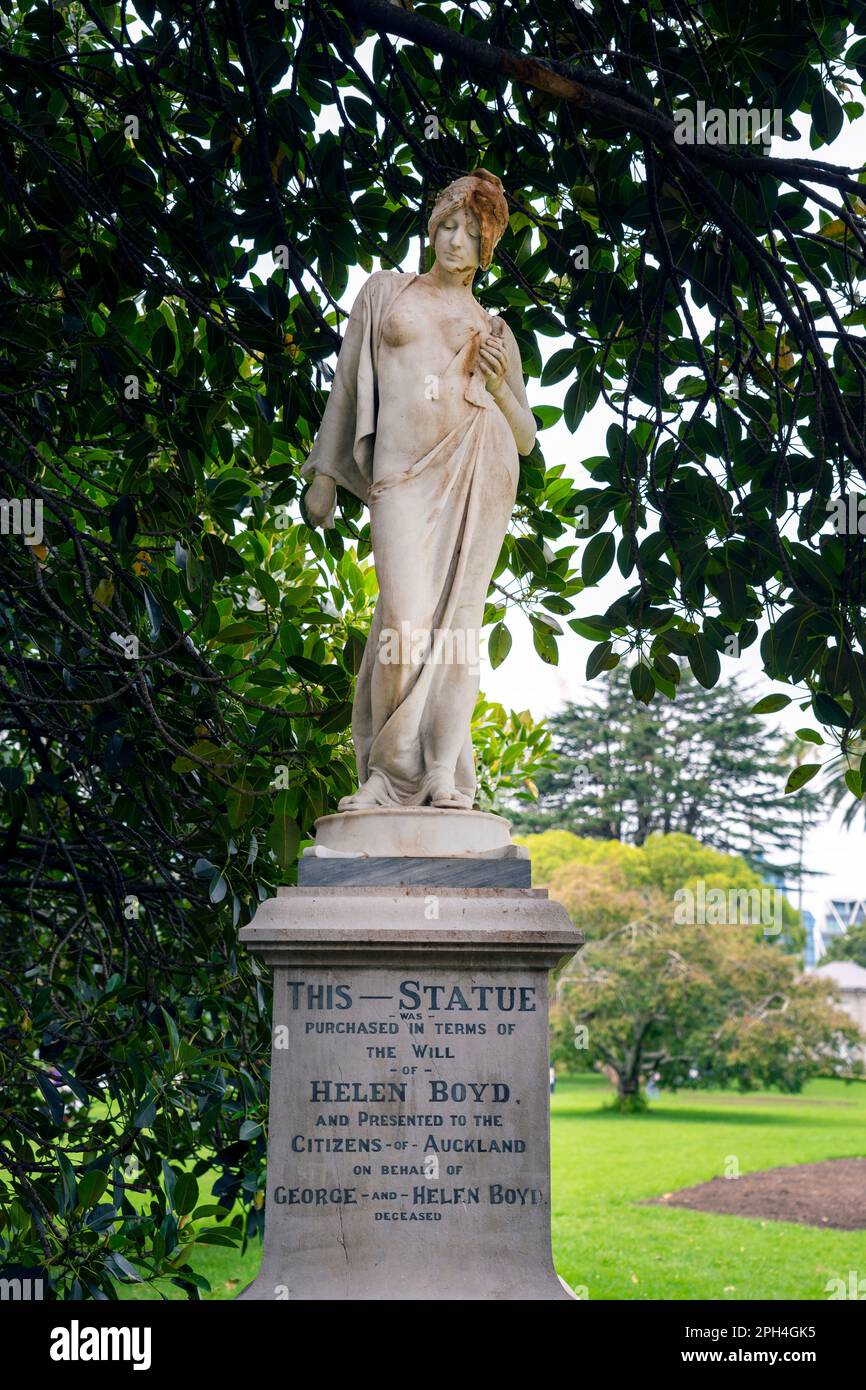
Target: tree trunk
(629,1096)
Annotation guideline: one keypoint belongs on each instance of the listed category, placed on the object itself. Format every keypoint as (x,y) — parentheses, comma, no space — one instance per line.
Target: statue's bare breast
(425,359)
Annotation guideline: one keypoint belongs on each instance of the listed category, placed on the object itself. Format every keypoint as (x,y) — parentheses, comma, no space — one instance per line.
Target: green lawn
(604,1164)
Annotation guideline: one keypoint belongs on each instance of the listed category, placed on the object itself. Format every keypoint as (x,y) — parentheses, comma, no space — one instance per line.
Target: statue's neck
(452,283)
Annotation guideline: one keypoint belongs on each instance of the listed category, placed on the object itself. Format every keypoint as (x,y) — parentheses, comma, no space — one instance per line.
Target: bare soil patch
(830,1194)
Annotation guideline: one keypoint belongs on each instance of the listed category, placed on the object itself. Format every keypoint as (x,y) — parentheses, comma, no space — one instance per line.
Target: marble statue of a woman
(426,417)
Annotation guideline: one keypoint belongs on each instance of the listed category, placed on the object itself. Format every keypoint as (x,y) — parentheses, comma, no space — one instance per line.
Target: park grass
(604,1164)
(608,1246)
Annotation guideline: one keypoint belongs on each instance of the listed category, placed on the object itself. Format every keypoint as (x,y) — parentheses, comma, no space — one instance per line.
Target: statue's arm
(507,387)
(320,500)
(332,459)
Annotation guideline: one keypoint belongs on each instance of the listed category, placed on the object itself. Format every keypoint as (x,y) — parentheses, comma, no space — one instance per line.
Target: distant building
(809,926)
(832,920)
(851,981)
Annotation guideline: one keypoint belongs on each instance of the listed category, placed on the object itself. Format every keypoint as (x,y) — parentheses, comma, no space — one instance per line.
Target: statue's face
(458,242)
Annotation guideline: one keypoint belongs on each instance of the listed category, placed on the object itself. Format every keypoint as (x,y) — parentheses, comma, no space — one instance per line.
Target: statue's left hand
(493,360)
(319,500)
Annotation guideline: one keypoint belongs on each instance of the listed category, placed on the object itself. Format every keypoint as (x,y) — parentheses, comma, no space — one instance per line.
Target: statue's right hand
(320,500)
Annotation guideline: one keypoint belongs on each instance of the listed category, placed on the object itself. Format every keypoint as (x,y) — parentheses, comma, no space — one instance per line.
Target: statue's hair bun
(480,173)
(483,193)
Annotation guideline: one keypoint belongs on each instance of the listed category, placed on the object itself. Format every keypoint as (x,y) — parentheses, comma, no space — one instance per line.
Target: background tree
(700,1007)
(605,884)
(844,775)
(850,946)
(703,764)
(185,191)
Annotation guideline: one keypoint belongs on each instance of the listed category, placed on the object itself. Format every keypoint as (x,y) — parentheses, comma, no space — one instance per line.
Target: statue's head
(476,205)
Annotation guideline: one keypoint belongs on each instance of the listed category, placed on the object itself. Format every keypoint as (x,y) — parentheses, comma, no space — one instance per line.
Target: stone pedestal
(394,831)
(409,1142)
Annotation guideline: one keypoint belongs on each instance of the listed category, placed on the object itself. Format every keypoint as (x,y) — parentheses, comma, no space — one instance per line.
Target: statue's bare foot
(445,796)
(372,793)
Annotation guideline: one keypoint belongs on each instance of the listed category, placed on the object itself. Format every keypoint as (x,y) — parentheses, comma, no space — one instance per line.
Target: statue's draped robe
(456,500)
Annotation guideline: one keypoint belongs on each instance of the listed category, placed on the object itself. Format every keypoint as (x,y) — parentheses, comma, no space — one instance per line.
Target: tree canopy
(703,764)
(605,884)
(689,972)
(698,1007)
(186,189)
(850,945)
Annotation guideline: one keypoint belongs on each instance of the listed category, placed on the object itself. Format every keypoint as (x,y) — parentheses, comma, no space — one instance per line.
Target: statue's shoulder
(385,280)
(380,288)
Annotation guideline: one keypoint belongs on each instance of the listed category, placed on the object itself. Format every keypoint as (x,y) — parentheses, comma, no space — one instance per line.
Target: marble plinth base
(414,831)
(409,1150)
(400,871)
